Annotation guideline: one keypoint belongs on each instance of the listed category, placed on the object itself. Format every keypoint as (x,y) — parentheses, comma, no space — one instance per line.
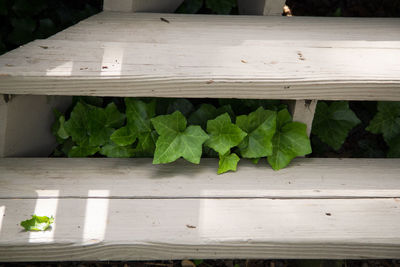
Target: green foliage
(387,123)
(223,7)
(223,134)
(135,128)
(332,123)
(23,20)
(176,140)
(290,140)
(260,127)
(37,223)
(227,162)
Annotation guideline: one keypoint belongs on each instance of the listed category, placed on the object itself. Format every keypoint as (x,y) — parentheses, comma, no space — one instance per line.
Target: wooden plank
(141,5)
(138,178)
(25,123)
(140,229)
(274,58)
(303,111)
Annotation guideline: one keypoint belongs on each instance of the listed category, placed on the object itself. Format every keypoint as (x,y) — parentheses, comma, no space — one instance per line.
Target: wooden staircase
(129,209)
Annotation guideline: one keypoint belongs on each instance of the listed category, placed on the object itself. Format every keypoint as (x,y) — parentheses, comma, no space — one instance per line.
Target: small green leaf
(333,123)
(37,223)
(223,134)
(62,133)
(255,160)
(222,7)
(289,141)
(228,162)
(77,125)
(260,127)
(114,118)
(386,120)
(112,150)
(198,262)
(123,136)
(176,140)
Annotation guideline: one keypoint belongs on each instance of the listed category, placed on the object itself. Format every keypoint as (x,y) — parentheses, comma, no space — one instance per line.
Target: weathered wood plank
(192,57)
(121,229)
(138,178)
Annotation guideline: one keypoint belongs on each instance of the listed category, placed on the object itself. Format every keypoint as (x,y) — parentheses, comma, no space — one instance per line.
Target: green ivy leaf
(228,162)
(333,123)
(289,141)
(223,134)
(222,7)
(123,136)
(82,151)
(77,125)
(138,114)
(260,127)
(58,129)
(208,112)
(386,120)
(176,140)
(146,144)
(37,223)
(113,150)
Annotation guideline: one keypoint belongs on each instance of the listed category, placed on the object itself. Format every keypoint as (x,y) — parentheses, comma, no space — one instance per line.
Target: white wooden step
(138,54)
(126,209)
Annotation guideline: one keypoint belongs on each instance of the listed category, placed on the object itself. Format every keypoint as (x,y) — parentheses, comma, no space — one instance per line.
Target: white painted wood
(273,7)
(303,111)
(143,229)
(139,178)
(261,7)
(212,56)
(25,125)
(142,5)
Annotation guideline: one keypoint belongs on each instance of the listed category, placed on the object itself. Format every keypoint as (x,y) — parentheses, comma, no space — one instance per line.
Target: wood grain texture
(138,178)
(140,229)
(121,54)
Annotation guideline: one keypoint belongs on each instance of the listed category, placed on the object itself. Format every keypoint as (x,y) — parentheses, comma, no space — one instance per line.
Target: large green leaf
(289,141)
(101,123)
(333,123)
(176,140)
(228,162)
(223,134)
(386,120)
(222,7)
(113,150)
(77,125)
(138,114)
(37,223)
(123,136)
(260,127)
(82,151)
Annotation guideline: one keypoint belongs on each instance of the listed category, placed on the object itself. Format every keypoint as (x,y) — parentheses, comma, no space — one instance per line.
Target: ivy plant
(387,123)
(333,122)
(160,129)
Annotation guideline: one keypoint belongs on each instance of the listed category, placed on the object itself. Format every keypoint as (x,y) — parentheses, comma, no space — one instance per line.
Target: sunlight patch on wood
(45,207)
(96,216)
